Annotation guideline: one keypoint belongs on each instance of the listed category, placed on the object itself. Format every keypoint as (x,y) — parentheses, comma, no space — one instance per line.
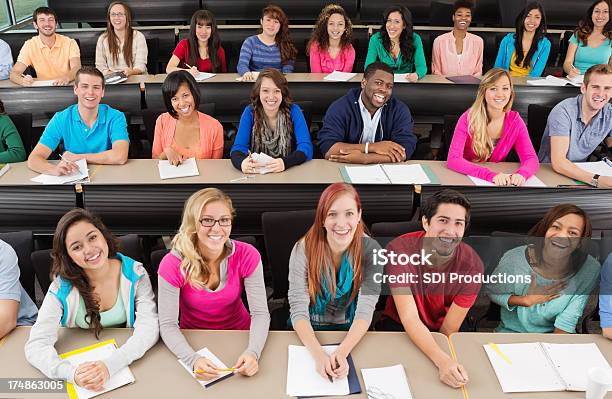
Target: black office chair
(149,116)
(23,244)
(440,13)
(508,11)
(385,232)
(281,231)
(450,121)
(153,64)
(537,117)
(23,123)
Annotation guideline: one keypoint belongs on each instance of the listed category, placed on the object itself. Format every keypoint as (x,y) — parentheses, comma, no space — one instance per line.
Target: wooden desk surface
(159,375)
(221,171)
(484,383)
(133,79)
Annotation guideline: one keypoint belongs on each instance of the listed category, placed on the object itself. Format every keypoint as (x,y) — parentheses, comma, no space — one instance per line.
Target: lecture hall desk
(159,375)
(484,383)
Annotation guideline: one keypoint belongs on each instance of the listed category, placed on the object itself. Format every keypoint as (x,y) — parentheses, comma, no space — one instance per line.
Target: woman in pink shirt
(330,47)
(200,284)
(184,132)
(489,130)
(458,52)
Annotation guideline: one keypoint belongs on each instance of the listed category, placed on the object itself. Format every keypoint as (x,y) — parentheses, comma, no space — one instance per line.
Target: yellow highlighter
(499,352)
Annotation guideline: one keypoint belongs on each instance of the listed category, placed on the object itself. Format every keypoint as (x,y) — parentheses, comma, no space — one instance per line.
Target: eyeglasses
(117,14)
(210,222)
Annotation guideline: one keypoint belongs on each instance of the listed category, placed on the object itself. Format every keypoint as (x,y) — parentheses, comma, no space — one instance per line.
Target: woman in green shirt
(397,45)
(11,146)
(548,282)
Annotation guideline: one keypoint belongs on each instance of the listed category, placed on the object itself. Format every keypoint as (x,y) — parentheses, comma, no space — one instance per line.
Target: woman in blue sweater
(272,125)
(525,52)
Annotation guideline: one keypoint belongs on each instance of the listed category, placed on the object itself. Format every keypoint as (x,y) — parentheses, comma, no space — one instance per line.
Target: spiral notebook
(543,367)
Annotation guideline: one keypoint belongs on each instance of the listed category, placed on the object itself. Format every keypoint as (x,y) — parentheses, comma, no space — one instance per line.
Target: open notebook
(389,174)
(100,351)
(220,365)
(82,174)
(386,382)
(543,367)
(188,167)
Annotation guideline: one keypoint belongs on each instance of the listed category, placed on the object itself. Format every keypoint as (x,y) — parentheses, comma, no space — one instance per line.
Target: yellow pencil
(499,352)
(228,369)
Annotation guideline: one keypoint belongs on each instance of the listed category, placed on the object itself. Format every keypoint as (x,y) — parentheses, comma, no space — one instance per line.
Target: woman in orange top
(183,132)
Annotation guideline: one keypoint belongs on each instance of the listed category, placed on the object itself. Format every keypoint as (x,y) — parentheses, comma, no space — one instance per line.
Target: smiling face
(270,25)
(183,102)
(562,237)
(270,96)
(203,31)
(46,24)
(598,91)
(377,89)
(533,20)
(89,90)
(462,18)
(340,222)
(86,246)
(211,240)
(446,228)
(395,25)
(498,95)
(118,16)
(335,26)
(601,15)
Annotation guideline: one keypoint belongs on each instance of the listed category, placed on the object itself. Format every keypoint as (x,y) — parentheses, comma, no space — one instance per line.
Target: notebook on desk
(100,351)
(4,167)
(464,80)
(389,174)
(543,367)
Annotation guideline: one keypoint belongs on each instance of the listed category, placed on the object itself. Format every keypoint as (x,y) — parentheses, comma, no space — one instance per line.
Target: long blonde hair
(194,268)
(478,118)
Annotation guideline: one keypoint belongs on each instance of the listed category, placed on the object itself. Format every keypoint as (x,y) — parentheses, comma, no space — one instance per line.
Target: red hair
(317,249)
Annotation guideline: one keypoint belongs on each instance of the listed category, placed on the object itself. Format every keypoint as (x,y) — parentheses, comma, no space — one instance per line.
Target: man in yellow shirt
(53,56)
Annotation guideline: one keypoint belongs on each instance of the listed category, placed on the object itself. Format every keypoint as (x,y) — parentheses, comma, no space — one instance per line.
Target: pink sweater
(322,61)
(461,156)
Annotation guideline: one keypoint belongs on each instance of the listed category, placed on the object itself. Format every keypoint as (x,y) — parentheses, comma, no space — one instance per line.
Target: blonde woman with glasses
(202,280)
(489,130)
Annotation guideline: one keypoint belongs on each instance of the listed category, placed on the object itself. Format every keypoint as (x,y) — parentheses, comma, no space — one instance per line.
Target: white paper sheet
(188,167)
(574,360)
(121,378)
(337,76)
(533,181)
(555,81)
(600,168)
(372,174)
(204,75)
(255,76)
(406,174)
(530,370)
(387,382)
(303,379)
(263,159)
(218,363)
(400,78)
(42,83)
(48,179)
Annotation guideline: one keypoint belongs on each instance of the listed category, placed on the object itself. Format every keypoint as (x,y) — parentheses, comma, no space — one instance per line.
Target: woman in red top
(202,51)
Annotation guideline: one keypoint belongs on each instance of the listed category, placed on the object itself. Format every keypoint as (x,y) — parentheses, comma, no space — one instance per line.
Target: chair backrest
(450,121)
(149,116)
(153,64)
(23,123)
(281,231)
(385,232)
(41,262)
(537,117)
(131,246)
(23,244)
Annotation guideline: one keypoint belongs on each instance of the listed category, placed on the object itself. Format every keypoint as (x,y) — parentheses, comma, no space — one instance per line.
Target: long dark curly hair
(283,37)
(586,25)
(319,32)
(285,107)
(406,37)
(64,267)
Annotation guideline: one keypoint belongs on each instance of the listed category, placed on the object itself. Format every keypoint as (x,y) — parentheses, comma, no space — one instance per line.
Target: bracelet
(366,147)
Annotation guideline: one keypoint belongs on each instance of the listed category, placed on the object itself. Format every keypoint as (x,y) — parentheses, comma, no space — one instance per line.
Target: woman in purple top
(489,130)
(330,47)
(202,280)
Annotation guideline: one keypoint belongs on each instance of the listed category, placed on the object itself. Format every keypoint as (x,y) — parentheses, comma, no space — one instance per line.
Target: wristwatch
(595,180)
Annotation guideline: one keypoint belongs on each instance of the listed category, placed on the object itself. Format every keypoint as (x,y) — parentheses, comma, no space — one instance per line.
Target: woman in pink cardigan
(489,130)
(330,47)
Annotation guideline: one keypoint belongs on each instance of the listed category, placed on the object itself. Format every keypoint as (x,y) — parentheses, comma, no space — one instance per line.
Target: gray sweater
(299,300)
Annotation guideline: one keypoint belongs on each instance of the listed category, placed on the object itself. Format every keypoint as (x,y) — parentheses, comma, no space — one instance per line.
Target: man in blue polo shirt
(368,125)
(577,125)
(88,130)
(16,306)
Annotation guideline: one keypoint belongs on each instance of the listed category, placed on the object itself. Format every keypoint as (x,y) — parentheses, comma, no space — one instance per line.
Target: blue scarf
(344,287)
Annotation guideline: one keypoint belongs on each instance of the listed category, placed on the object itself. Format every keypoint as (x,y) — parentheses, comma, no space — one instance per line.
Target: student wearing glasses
(121,48)
(201,282)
